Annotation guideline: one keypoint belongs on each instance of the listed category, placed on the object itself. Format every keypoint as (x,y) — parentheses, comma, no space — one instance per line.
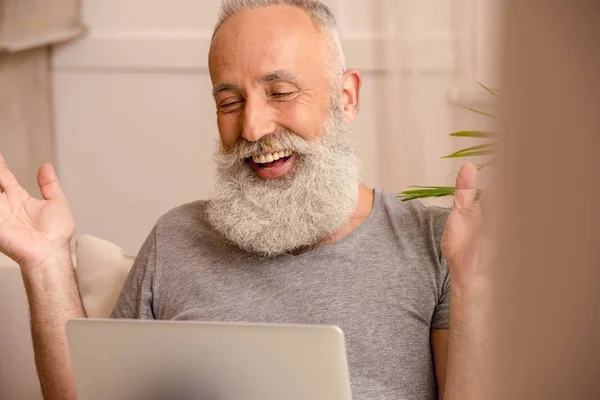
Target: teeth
(266,158)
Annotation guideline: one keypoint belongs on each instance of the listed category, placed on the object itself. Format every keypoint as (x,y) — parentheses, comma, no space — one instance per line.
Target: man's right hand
(32,231)
(37,235)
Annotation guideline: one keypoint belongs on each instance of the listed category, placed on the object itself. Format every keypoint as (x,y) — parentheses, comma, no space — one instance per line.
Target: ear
(351,82)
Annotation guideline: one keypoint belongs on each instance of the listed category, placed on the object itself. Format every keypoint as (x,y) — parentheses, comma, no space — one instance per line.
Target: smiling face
(270,70)
(287,174)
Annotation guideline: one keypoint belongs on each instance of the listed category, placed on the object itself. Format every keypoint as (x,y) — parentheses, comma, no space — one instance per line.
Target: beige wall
(26,28)
(135,121)
(25,113)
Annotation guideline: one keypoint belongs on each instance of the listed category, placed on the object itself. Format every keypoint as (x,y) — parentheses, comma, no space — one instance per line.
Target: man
(291,234)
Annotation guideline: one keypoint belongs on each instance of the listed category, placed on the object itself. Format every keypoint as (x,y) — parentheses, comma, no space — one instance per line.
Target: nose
(258,121)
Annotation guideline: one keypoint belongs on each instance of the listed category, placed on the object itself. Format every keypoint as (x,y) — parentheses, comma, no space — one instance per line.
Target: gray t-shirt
(385,284)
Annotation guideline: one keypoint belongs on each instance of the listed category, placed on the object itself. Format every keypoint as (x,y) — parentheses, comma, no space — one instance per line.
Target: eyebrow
(223,87)
(279,75)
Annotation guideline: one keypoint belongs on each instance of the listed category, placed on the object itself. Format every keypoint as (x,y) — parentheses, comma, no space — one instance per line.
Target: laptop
(157,360)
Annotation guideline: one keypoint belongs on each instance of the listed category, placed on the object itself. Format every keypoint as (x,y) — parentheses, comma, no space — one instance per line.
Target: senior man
(291,235)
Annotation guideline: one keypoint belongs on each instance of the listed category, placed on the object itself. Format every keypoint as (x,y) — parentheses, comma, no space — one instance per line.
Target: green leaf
(476,134)
(432,187)
(493,92)
(419,191)
(423,192)
(480,112)
(426,192)
(479,167)
(489,164)
(480,150)
(429,192)
(479,153)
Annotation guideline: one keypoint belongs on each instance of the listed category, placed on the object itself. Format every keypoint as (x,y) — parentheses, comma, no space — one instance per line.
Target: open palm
(32,230)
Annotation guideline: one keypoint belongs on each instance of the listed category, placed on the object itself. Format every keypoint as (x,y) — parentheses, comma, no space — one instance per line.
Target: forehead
(257,42)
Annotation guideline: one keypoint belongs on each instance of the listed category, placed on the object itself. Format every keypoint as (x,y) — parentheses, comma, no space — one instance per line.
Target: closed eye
(281,95)
(231,105)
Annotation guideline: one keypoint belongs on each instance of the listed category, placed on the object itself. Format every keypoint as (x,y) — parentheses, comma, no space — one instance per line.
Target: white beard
(269,217)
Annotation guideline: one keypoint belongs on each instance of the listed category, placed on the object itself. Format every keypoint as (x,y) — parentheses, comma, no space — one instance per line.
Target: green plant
(490,148)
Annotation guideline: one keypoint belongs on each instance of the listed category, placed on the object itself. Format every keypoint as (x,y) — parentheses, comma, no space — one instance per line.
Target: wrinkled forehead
(257,42)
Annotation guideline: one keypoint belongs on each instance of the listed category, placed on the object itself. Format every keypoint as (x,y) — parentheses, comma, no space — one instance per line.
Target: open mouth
(272,160)
(273,165)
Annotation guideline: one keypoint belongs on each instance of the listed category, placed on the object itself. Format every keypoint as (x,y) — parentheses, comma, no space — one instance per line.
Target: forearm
(54,299)
(467,376)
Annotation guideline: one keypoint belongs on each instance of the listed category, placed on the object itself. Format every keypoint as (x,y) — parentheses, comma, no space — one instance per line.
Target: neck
(363,209)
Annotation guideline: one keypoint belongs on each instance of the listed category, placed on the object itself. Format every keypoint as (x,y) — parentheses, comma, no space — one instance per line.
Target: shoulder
(185,223)
(413,221)
(413,213)
(194,212)
(418,231)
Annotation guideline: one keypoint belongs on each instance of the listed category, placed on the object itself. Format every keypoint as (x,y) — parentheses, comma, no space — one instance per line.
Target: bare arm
(467,249)
(36,234)
(439,345)
(468,341)
(53,300)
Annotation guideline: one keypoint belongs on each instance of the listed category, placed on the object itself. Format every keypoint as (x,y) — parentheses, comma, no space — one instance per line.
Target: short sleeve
(441,314)
(136,298)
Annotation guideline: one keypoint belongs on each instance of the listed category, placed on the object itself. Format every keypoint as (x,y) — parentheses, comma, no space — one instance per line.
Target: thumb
(466,187)
(49,185)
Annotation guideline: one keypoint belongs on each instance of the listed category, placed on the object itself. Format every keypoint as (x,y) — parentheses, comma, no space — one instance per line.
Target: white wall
(135,121)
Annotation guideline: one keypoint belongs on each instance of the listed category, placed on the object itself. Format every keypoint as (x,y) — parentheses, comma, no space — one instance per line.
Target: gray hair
(321,16)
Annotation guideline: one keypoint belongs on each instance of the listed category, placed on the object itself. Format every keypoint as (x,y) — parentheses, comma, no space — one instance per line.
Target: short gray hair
(321,16)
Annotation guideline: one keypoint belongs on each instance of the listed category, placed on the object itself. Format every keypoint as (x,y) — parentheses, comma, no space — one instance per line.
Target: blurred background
(116,93)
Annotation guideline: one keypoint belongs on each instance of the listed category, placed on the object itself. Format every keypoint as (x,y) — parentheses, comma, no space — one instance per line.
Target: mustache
(280,141)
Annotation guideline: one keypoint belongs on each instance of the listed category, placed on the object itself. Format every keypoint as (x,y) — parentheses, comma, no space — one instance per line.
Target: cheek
(303,121)
(228,130)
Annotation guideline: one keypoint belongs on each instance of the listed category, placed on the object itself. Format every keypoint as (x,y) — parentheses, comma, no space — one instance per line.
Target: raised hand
(468,247)
(466,242)
(32,231)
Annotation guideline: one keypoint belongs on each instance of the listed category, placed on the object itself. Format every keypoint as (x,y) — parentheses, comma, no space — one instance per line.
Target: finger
(7,179)
(49,184)
(466,186)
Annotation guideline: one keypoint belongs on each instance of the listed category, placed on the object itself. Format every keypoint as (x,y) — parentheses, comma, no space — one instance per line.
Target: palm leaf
(480,150)
(479,153)
(480,112)
(423,192)
(428,188)
(426,192)
(488,164)
(476,134)
(493,92)
(479,167)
